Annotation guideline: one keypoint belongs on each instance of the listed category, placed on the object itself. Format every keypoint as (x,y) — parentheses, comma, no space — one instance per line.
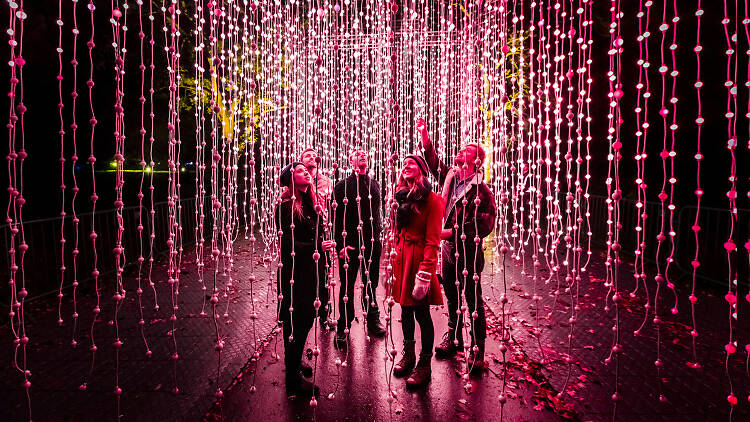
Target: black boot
(476,359)
(298,386)
(422,373)
(340,340)
(447,348)
(305,369)
(374,327)
(409,358)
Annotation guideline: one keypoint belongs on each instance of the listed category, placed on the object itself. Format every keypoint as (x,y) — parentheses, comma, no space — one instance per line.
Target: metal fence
(715,226)
(43,258)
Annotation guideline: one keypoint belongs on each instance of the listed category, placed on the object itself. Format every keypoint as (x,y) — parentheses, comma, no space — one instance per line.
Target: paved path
(537,368)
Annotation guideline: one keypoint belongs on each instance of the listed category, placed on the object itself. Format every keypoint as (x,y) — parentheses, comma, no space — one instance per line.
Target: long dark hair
(299,199)
(411,197)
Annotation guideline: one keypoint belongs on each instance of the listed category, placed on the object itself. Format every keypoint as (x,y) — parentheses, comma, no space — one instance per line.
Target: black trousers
(467,288)
(348,278)
(426,329)
(302,322)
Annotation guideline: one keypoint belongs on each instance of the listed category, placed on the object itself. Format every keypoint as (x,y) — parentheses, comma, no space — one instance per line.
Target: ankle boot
(374,327)
(476,358)
(305,369)
(447,348)
(409,358)
(298,386)
(422,373)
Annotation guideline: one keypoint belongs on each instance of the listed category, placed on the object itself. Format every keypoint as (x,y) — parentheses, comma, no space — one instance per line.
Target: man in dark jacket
(357,234)
(470,213)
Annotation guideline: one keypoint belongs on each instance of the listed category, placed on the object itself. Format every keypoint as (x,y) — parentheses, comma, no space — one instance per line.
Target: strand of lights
(214,61)
(151,163)
(672,154)
(589,41)
(61,133)
(502,181)
(119,30)
(14,213)
(143,164)
(745,23)
(660,238)
(661,274)
(174,242)
(73,169)
(698,189)
(643,92)
(614,194)
(573,219)
(730,246)
(248,34)
(200,147)
(94,197)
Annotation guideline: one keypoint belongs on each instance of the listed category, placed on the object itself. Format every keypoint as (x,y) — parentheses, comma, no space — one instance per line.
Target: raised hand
(422,129)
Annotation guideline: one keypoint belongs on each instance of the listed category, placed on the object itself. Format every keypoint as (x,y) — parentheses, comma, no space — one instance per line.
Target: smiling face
(358,161)
(410,171)
(310,159)
(302,178)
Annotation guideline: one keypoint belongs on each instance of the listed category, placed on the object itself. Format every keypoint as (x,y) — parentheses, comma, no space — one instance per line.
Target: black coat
(473,220)
(308,235)
(347,218)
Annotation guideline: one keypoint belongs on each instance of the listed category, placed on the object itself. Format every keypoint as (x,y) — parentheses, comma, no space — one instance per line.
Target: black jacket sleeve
(478,220)
(437,167)
(338,224)
(376,203)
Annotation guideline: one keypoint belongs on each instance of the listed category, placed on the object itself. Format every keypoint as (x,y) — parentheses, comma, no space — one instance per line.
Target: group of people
(435,238)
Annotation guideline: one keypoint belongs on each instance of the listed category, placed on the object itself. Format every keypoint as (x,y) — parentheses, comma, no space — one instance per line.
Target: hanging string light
(643,94)
(729,246)
(119,29)
(14,214)
(61,133)
(174,241)
(695,263)
(143,164)
(94,197)
(73,169)
(614,193)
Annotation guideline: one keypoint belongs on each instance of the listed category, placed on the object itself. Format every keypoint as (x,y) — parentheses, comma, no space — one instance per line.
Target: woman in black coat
(301,277)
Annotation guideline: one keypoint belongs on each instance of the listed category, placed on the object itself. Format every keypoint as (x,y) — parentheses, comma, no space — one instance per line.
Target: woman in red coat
(419,219)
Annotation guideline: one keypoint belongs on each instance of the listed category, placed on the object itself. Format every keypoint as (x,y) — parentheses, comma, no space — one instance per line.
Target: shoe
(405,365)
(298,386)
(447,349)
(340,341)
(476,359)
(422,373)
(374,327)
(305,369)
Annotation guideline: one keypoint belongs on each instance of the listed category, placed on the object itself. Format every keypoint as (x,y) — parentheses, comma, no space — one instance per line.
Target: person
(470,214)
(357,235)
(301,277)
(418,217)
(321,188)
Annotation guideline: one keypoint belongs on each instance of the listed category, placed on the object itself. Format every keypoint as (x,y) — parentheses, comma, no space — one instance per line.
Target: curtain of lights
(264,80)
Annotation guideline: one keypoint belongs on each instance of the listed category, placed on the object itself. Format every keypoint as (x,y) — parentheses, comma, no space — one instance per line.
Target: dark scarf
(410,204)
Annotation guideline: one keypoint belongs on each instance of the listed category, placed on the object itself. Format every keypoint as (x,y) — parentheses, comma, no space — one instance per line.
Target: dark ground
(537,369)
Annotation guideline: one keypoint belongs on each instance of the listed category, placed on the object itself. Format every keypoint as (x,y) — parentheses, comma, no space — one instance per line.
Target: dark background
(40,95)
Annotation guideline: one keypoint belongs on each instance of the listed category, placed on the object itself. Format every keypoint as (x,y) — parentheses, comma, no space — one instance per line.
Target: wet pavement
(538,367)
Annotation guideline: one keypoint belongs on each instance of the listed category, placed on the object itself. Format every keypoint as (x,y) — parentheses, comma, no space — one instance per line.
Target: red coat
(417,250)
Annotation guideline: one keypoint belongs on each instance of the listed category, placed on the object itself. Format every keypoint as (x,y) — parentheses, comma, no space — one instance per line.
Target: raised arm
(437,167)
